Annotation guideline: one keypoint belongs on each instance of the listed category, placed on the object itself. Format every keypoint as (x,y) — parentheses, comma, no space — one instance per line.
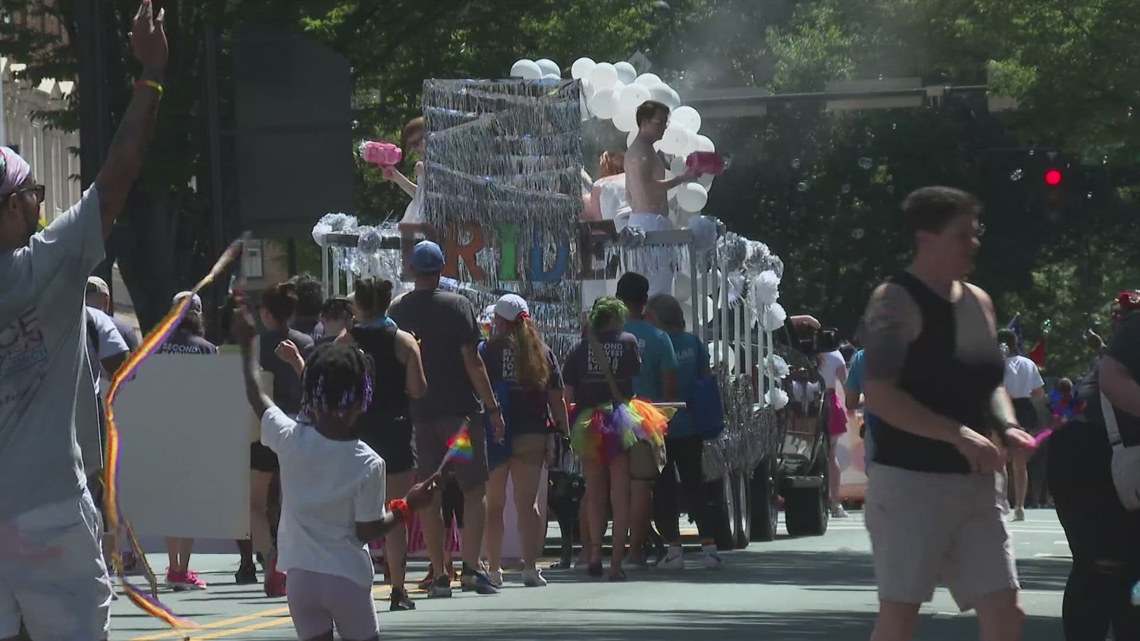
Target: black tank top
(389,398)
(953,368)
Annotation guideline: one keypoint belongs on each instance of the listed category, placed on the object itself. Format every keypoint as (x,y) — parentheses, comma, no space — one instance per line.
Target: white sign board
(184,427)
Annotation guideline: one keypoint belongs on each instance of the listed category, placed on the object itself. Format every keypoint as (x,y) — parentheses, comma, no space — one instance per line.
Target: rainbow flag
(459,448)
(150,344)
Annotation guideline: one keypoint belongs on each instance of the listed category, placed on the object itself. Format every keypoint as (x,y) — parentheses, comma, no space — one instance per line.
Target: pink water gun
(705,163)
(381,154)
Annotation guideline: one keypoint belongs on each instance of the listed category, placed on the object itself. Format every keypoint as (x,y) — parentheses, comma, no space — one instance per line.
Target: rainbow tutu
(601,434)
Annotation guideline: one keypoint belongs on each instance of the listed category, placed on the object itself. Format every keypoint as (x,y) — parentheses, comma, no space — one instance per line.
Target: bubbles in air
(803,186)
(1016,175)
(795,163)
(858,233)
(866,163)
(845,189)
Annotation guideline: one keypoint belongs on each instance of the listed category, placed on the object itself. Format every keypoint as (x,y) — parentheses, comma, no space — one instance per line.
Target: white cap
(195,301)
(511,306)
(96,284)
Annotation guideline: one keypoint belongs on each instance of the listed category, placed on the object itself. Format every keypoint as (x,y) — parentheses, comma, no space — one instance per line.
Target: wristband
(399,507)
(140,84)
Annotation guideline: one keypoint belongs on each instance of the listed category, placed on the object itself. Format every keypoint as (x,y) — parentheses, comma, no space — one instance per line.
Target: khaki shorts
(646,461)
(529,449)
(928,529)
(431,447)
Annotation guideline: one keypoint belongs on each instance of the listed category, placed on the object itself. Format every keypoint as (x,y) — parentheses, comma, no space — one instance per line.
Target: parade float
(503,198)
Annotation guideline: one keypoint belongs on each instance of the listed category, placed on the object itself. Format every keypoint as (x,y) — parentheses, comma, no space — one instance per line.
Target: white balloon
(551,76)
(526,69)
(691,144)
(626,119)
(704,143)
(648,79)
(674,141)
(677,165)
(604,104)
(630,138)
(706,182)
(581,68)
(686,117)
(704,232)
(632,97)
(626,72)
(549,67)
(603,76)
(692,197)
(665,95)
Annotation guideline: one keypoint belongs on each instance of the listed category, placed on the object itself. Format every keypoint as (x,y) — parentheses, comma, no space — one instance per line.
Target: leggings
(319,602)
(683,458)
(1102,535)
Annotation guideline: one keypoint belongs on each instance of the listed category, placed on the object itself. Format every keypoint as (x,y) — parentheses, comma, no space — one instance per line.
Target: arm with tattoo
(892,323)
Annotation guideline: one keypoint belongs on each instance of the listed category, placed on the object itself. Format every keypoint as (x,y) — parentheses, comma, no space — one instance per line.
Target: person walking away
(1101,532)
(449,336)
(386,426)
(307,313)
(1025,386)
(332,489)
(98,296)
(66,593)
(683,445)
(934,505)
(186,339)
(588,372)
(523,370)
(278,302)
(833,370)
(656,382)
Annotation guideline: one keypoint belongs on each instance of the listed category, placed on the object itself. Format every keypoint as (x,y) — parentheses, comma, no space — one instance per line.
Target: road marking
(280,616)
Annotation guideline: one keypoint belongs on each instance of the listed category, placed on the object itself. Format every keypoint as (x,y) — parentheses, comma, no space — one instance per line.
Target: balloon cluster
(614,91)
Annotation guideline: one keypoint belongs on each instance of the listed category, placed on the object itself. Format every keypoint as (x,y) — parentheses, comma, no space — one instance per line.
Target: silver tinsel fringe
(751,433)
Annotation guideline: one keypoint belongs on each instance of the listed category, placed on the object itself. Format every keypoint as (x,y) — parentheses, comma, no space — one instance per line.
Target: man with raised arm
(52,574)
(646,185)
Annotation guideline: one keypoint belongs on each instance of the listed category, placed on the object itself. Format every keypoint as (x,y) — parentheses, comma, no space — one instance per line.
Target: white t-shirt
(804,391)
(106,343)
(613,203)
(829,365)
(414,213)
(44,366)
(1021,377)
(327,487)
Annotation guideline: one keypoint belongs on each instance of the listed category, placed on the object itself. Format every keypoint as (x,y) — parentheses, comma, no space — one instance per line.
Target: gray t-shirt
(443,323)
(90,429)
(44,366)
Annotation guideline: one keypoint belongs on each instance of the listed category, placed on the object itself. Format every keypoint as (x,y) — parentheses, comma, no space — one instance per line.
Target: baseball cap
(511,306)
(633,287)
(427,257)
(195,301)
(96,284)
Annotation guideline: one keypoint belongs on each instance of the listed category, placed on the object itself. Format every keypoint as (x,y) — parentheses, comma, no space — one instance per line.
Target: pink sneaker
(182,581)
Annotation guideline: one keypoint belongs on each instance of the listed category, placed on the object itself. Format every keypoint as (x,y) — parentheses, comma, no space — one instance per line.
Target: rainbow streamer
(459,448)
(150,344)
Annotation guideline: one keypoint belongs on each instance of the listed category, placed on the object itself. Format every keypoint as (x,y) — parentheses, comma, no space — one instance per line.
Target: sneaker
(478,583)
(246,575)
(496,578)
(1019,514)
(274,580)
(712,560)
(401,602)
(183,581)
(532,578)
(440,588)
(673,561)
(838,512)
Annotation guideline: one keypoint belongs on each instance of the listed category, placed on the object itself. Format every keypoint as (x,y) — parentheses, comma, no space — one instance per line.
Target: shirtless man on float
(646,185)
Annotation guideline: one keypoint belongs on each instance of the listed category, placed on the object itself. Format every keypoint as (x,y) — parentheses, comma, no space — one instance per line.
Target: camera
(811,341)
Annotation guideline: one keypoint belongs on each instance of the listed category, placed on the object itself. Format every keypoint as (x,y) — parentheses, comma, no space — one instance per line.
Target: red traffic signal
(1053,177)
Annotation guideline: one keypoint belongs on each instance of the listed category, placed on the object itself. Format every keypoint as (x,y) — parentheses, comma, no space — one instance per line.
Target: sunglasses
(40,192)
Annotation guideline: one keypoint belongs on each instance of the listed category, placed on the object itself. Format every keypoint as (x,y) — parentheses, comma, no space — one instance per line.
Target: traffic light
(1054,192)
(1054,177)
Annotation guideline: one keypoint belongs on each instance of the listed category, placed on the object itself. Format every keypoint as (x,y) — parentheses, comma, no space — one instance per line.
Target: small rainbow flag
(459,448)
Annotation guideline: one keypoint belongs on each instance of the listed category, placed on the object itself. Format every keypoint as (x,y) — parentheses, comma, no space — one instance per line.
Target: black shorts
(263,459)
(391,438)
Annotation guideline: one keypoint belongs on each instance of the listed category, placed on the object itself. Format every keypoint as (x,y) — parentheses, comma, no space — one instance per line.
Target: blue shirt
(382,321)
(692,357)
(657,357)
(854,385)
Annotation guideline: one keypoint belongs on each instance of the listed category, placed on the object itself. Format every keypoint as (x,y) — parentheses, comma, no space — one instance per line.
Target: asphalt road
(788,590)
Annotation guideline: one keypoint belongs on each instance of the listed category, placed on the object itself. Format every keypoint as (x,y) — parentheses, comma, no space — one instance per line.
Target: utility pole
(92,27)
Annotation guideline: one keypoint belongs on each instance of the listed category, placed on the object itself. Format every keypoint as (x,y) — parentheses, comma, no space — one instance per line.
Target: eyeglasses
(39,190)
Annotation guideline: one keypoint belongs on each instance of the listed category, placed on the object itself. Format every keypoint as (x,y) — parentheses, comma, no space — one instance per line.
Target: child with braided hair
(333,490)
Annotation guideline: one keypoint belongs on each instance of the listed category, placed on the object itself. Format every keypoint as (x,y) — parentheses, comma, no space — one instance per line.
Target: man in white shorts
(52,575)
(646,185)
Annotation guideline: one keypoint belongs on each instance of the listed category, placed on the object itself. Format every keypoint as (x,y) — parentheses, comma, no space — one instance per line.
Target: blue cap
(427,257)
